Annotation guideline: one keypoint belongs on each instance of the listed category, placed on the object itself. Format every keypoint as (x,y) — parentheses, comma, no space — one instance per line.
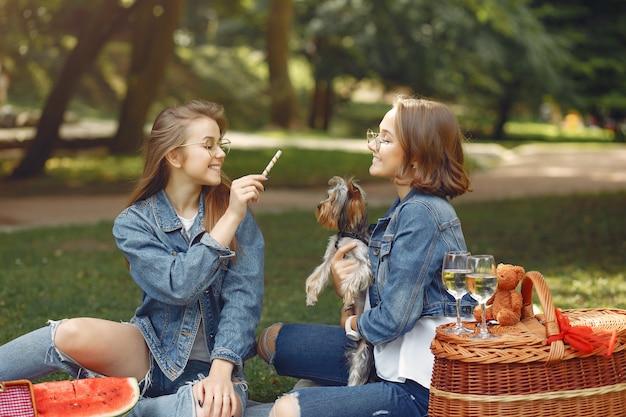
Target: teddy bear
(505,305)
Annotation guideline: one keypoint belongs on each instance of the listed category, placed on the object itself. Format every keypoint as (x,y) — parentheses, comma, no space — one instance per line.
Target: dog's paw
(311,299)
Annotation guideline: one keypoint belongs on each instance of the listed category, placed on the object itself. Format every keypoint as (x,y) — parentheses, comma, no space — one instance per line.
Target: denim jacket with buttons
(406,252)
(186,279)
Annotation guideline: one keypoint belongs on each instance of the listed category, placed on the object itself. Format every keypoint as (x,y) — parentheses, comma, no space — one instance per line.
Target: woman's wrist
(225,228)
(222,367)
(347,311)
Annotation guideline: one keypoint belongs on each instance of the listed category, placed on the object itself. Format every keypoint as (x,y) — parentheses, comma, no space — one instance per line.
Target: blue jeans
(33,356)
(175,398)
(317,352)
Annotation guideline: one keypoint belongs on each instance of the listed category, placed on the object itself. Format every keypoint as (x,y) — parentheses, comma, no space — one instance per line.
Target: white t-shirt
(409,356)
(199,350)
(187,223)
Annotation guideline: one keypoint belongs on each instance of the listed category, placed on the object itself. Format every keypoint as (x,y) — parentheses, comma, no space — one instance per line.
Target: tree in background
(153,26)
(152,23)
(597,75)
(515,60)
(488,54)
(335,43)
(283,101)
(88,45)
(491,57)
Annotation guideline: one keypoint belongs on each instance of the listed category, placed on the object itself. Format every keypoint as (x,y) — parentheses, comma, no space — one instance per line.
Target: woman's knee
(81,334)
(266,345)
(68,334)
(286,406)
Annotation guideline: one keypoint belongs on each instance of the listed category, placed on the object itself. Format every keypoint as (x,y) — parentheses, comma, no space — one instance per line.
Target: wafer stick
(269,166)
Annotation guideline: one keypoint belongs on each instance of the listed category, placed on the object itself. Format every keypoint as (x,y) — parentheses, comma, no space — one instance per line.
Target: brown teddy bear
(505,305)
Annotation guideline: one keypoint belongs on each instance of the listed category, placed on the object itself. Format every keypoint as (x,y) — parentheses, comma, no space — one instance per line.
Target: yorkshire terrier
(345,210)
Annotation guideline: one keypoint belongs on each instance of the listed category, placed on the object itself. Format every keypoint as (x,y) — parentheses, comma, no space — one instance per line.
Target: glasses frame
(222,143)
(370,135)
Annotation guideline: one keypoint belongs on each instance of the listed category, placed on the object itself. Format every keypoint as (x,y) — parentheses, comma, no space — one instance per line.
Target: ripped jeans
(317,352)
(33,356)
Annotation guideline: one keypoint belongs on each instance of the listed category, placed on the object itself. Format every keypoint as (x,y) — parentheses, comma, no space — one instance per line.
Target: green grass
(577,242)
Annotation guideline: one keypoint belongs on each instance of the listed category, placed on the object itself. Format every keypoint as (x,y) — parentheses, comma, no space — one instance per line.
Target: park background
(515,72)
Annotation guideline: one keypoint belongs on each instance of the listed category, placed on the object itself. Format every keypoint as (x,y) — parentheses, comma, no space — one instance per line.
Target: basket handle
(536,280)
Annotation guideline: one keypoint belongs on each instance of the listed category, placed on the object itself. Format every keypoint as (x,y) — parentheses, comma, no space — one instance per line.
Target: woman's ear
(174,158)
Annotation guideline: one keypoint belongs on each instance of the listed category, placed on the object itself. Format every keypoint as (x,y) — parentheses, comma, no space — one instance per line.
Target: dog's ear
(354,191)
(356,214)
(357,206)
(335,181)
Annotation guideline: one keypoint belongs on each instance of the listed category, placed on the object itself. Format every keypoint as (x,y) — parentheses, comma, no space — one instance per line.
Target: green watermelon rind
(94,391)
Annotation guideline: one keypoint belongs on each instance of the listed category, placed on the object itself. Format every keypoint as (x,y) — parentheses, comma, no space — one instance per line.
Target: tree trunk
(502,116)
(284,103)
(620,128)
(78,61)
(321,105)
(153,43)
(505,104)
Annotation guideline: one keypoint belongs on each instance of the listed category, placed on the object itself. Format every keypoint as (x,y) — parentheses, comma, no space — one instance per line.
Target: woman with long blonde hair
(195,250)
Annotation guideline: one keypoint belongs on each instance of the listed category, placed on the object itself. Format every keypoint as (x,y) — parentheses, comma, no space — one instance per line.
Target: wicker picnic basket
(520,374)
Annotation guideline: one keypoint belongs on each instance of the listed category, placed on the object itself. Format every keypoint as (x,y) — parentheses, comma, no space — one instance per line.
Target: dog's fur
(345,210)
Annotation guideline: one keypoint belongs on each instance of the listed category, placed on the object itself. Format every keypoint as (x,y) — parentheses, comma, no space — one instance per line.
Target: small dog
(345,210)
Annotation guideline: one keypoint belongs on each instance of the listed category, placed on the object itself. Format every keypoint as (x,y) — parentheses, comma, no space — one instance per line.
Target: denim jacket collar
(167,219)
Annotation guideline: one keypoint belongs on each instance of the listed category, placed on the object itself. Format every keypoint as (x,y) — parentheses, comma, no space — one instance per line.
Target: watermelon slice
(90,397)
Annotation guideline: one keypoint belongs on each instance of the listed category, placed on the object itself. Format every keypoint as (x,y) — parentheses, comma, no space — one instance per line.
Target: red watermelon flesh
(90,397)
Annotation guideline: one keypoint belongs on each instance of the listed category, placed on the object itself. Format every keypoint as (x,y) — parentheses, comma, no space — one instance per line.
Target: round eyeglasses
(373,136)
(211,145)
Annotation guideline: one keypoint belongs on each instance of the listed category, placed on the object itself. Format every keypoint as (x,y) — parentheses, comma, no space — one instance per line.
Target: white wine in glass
(481,284)
(455,268)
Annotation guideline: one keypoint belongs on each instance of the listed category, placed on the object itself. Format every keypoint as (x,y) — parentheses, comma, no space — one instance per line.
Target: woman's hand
(242,191)
(215,395)
(245,190)
(341,267)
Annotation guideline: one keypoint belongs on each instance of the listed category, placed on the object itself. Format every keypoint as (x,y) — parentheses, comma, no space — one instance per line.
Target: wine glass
(454,270)
(481,283)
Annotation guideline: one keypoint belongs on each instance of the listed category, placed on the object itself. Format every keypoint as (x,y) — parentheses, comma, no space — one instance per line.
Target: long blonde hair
(432,140)
(168,133)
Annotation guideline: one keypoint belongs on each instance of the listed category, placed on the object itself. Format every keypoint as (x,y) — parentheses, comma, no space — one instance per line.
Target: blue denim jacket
(406,253)
(186,279)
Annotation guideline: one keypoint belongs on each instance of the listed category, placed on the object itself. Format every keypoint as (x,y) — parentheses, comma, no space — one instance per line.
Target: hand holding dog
(341,268)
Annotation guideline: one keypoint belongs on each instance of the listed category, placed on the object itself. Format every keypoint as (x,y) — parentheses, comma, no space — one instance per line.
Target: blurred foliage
(487,55)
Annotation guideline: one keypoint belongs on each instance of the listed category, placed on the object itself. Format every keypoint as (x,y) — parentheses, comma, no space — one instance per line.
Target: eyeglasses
(211,145)
(376,137)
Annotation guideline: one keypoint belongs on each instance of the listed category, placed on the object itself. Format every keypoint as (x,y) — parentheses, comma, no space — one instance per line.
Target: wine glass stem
(458,313)
(483,328)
